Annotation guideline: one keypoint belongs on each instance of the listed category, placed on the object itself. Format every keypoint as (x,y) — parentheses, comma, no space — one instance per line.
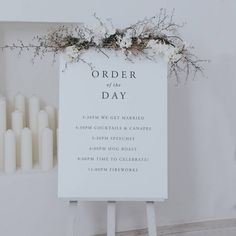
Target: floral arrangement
(149,38)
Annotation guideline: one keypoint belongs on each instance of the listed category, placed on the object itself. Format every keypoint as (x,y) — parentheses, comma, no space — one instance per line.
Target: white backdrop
(202,118)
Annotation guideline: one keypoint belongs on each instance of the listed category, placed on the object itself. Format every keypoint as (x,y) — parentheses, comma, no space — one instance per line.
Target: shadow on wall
(181,169)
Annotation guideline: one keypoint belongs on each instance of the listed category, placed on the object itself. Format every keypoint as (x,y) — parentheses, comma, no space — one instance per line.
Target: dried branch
(150,37)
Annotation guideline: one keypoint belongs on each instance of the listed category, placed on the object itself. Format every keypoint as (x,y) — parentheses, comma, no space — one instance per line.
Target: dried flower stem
(157,35)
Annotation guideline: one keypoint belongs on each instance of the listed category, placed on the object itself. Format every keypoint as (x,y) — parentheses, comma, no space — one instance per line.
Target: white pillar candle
(57,142)
(42,123)
(17,126)
(19,102)
(1,150)
(3,118)
(10,152)
(52,124)
(2,128)
(57,125)
(57,117)
(26,149)
(34,108)
(47,149)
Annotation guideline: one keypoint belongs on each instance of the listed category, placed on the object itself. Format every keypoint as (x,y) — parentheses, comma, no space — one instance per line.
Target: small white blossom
(138,30)
(71,54)
(126,40)
(99,33)
(129,33)
(167,52)
(110,30)
(139,40)
(87,35)
(152,44)
(176,57)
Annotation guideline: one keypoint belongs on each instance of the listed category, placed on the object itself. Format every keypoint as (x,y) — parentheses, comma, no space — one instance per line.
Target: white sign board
(113,129)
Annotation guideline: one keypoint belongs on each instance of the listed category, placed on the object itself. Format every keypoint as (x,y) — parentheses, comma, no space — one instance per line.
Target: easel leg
(151,219)
(111,218)
(72,208)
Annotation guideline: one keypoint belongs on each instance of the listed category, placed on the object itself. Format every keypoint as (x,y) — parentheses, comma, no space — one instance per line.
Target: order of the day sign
(113,129)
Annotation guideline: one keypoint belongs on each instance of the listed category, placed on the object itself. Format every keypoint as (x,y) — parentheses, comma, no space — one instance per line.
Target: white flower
(167,52)
(87,35)
(71,54)
(138,30)
(110,30)
(126,40)
(99,33)
(176,57)
(129,33)
(152,44)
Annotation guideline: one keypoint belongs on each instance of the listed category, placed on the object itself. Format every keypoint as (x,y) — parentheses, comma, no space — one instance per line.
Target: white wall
(202,118)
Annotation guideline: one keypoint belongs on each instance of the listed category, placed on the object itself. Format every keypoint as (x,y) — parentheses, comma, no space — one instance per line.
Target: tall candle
(2,128)
(17,126)
(47,149)
(19,103)
(26,149)
(42,123)
(57,117)
(34,108)
(3,118)
(57,141)
(52,124)
(10,152)
(57,125)
(1,150)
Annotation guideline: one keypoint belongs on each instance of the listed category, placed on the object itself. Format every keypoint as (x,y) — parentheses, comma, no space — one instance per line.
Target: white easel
(111,218)
(72,208)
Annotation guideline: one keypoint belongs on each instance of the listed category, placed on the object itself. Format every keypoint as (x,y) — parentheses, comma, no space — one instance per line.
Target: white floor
(216,232)
(225,227)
